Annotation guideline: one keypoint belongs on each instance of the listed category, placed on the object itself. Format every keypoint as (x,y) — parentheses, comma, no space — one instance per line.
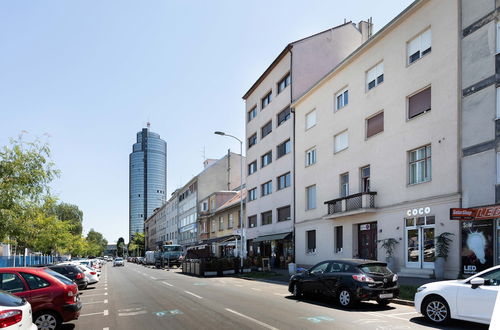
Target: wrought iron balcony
(352,204)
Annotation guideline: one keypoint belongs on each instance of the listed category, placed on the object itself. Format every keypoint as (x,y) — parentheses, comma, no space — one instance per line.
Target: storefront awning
(273,237)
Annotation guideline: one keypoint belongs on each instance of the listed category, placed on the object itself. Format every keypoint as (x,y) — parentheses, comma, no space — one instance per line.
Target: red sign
(480,213)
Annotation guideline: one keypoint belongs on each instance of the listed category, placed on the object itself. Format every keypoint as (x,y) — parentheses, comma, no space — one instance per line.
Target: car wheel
(296,290)
(345,298)
(436,310)
(47,321)
(383,302)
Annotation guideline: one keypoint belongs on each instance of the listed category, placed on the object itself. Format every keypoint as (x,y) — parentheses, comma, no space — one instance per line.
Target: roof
(235,200)
(280,57)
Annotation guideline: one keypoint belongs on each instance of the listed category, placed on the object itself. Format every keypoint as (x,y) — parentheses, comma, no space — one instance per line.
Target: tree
(71,214)
(120,245)
(136,244)
(97,243)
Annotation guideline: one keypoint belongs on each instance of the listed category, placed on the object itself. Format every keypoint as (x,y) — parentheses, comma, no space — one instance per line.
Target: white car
(472,299)
(15,313)
(90,274)
(118,262)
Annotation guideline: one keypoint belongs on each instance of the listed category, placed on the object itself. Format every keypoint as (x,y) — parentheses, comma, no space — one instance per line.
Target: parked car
(72,272)
(118,262)
(53,297)
(90,274)
(348,281)
(472,299)
(15,313)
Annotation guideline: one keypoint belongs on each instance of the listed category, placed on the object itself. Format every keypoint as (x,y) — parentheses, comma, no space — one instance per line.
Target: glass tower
(147,178)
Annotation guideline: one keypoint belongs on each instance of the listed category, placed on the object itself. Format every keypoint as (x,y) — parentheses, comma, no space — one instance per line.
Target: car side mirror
(477,282)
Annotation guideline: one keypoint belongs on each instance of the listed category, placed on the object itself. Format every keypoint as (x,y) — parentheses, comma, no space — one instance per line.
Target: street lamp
(243,240)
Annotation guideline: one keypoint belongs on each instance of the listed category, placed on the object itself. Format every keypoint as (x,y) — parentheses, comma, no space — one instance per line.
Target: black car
(73,273)
(348,281)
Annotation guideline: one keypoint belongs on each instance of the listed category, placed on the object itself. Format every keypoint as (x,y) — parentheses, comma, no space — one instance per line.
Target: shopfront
(420,242)
(278,248)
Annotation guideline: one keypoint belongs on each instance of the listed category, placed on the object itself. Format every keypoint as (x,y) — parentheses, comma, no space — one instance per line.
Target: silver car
(118,262)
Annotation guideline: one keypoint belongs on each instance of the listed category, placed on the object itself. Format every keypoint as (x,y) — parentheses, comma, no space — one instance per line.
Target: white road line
(280,294)
(167,283)
(255,289)
(402,313)
(98,313)
(105,301)
(195,295)
(252,319)
(95,302)
(239,285)
(93,295)
(153,278)
(132,313)
(105,328)
(387,315)
(130,309)
(105,313)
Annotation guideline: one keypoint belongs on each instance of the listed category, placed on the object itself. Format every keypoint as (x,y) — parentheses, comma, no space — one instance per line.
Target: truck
(169,255)
(150,258)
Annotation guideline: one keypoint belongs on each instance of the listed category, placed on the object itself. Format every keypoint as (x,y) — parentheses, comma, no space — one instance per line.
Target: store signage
(364,227)
(477,246)
(480,213)
(462,214)
(418,211)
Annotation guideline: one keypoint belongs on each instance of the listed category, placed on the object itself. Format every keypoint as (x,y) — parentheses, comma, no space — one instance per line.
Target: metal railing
(353,202)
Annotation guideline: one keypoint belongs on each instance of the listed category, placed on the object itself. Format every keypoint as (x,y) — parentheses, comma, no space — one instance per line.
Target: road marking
(130,309)
(132,313)
(105,313)
(252,319)
(105,328)
(195,295)
(281,294)
(402,313)
(98,313)
(95,302)
(105,301)
(255,289)
(167,283)
(153,278)
(387,315)
(239,285)
(93,295)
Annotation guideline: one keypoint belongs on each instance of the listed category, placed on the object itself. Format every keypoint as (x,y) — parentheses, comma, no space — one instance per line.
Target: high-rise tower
(147,178)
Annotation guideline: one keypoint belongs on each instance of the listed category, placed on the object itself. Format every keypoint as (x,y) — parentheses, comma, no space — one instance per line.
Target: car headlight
(395,278)
(421,288)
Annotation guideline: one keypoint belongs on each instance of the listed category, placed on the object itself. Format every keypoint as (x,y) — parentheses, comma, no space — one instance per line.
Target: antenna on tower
(148,124)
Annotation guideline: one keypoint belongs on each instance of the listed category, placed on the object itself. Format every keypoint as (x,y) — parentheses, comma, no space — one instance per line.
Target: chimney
(366,29)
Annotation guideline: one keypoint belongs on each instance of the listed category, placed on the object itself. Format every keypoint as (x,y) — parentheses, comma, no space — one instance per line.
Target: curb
(262,280)
(403,302)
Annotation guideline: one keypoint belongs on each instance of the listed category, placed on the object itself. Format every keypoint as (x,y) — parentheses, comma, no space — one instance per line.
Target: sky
(87,75)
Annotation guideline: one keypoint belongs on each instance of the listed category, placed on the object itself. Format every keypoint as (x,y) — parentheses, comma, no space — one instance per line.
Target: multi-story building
(378,159)
(269,133)
(147,178)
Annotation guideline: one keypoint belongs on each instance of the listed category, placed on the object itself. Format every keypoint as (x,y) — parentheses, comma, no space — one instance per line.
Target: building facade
(269,134)
(378,159)
(147,178)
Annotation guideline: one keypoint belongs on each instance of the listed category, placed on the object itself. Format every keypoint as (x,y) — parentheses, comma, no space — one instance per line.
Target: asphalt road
(137,297)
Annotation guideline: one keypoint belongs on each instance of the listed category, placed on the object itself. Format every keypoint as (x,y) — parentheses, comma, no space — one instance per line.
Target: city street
(137,297)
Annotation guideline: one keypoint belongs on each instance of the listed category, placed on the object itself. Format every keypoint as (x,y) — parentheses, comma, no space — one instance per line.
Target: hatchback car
(73,273)
(118,262)
(15,313)
(53,297)
(472,299)
(348,281)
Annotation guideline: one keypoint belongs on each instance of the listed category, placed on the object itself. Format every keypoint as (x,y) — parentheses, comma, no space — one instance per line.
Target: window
(231,221)
(419,103)
(252,221)
(266,129)
(375,76)
(239,219)
(266,100)
(498,102)
(266,188)
(266,159)
(341,141)
(498,172)
(204,206)
(339,240)
(284,213)
(311,241)
(252,194)
(310,156)
(310,119)
(267,218)
(221,223)
(252,113)
(252,140)
(344,185)
(311,197)
(212,226)
(420,165)
(284,83)
(419,46)
(321,268)
(365,178)
(375,124)
(283,181)
(284,148)
(11,283)
(35,282)
(492,278)
(341,99)
(283,116)
(252,167)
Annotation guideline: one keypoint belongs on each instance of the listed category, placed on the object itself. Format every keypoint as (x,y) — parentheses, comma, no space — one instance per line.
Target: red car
(54,298)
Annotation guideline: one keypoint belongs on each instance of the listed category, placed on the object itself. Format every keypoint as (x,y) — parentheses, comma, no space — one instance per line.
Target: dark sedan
(348,281)
(73,273)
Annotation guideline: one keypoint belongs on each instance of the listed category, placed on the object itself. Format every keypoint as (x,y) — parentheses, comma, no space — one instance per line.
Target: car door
(478,303)
(13,283)
(312,279)
(40,290)
(331,278)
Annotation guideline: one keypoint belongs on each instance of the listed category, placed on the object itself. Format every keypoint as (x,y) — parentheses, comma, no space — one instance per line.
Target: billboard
(477,246)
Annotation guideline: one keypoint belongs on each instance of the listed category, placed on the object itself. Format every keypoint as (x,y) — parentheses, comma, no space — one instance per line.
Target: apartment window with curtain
(310,156)
(266,188)
(252,113)
(266,100)
(419,46)
(375,124)
(252,221)
(284,181)
(266,218)
(283,116)
(419,103)
(420,166)
(341,141)
(344,185)
(284,83)
(375,76)
(310,119)
(252,140)
(339,239)
(341,99)
(266,129)
(284,213)
(365,178)
(311,241)
(284,148)
(266,159)
(311,197)
(252,167)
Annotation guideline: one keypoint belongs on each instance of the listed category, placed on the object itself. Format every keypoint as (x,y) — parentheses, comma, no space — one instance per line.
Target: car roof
(22,269)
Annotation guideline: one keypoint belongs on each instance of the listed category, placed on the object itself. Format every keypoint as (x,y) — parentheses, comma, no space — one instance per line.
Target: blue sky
(90,74)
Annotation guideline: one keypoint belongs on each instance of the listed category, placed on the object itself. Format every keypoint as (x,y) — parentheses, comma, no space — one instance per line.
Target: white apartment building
(377,145)
(269,135)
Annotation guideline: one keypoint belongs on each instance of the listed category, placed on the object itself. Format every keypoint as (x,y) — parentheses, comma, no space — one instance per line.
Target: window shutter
(419,103)
(310,119)
(341,142)
(425,41)
(375,125)
(414,46)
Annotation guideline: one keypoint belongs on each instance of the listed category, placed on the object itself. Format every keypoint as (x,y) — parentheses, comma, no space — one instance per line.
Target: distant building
(147,178)
(111,250)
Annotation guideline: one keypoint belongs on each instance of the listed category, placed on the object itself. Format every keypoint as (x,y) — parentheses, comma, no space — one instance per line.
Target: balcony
(350,205)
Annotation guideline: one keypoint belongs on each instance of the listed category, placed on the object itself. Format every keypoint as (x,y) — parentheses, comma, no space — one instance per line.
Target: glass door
(412,247)
(420,242)
(428,247)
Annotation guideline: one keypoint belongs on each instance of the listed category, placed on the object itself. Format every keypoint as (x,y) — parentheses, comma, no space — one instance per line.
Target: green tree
(136,245)
(97,243)
(120,245)
(71,214)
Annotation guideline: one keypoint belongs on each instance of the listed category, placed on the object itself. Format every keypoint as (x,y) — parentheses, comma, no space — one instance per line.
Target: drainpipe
(292,111)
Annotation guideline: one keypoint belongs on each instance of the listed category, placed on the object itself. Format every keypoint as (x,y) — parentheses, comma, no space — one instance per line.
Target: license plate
(386,295)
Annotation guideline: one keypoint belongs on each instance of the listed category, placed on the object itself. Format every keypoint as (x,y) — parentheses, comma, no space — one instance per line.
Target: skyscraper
(147,178)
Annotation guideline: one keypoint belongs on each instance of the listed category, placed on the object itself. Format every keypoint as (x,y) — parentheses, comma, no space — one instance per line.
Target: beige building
(269,135)
(376,146)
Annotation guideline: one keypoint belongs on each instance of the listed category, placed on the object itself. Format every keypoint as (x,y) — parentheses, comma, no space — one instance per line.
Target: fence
(29,260)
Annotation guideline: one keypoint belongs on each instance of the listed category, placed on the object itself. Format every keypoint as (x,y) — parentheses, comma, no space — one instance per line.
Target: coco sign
(419,211)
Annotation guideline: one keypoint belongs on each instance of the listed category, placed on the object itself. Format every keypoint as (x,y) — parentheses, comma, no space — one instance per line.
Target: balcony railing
(365,200)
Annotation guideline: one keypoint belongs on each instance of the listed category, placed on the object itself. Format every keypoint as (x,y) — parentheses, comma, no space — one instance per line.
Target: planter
(247,270)
(439,268)
(210,273)
(228,272)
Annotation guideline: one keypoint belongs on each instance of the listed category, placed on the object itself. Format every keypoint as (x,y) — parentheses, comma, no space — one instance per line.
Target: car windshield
(60,277)
(173,248)
(375,269)
(118,259)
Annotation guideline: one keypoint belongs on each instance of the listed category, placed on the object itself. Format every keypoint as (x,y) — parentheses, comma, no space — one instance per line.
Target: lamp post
(243,240)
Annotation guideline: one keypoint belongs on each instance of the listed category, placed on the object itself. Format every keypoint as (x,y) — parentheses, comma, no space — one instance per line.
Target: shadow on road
(328,302)
(68,326)
(453,324)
